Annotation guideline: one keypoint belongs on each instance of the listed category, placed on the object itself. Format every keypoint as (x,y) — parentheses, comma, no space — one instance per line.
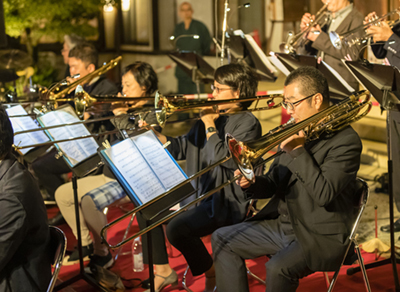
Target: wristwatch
(211,130)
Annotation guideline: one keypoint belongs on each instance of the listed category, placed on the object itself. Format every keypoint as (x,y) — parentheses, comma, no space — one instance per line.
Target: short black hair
(144,75)
(85,52)
(6,134)
(311,81)
(239,77)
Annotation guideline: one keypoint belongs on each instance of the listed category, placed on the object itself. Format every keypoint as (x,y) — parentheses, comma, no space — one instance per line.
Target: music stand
(243,48)
(195,66)
(338,89)
(384,83)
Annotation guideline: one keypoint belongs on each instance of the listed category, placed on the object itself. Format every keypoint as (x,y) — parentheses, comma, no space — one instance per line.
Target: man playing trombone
(342,17)
(305,225)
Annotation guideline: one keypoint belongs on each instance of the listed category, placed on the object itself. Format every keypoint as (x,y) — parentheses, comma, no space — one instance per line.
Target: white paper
(260,53)
(278,64)
(340,78)
(77,150)
(23,124)
(145,166)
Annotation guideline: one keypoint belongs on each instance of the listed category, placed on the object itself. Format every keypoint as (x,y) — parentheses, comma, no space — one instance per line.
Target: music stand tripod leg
(82,274)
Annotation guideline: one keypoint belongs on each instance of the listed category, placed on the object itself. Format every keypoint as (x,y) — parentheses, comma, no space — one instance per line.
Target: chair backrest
(57,246)
(360,199)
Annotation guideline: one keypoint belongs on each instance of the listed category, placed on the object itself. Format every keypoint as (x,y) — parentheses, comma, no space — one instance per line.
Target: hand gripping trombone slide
(248,156)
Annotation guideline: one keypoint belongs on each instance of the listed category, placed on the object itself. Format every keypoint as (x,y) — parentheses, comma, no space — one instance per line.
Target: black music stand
(337,90)
(384,84)
(195,66)
(243,48)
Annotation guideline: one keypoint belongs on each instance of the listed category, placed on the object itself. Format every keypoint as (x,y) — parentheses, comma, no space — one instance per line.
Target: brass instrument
(165,108)
(248,155)
(332,119)
(356,39)
(293,42)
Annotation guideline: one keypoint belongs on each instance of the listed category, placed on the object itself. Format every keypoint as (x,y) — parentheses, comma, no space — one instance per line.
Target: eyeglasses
(291,105)
(218,90)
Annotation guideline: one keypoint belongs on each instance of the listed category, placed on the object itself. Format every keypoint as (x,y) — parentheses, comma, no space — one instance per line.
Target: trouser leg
(233,244)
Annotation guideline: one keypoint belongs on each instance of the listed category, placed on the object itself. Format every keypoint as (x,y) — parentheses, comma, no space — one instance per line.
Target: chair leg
(184,280)
(362,267)
(251,274)
(124,237)
(327,280)
(333,281)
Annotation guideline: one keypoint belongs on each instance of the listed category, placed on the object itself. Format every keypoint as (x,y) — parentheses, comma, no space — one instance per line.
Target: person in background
(25,262)
(184,41)
(70,41)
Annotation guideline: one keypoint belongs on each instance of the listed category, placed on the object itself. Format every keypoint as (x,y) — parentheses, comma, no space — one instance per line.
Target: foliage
(51,18)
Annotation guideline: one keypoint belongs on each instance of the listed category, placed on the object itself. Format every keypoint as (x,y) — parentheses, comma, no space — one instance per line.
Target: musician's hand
(305,21)
(120,111)
(161,137)
(314,33)
(208,115)
(243,182)
(380,33)
(370,17)
(293,142)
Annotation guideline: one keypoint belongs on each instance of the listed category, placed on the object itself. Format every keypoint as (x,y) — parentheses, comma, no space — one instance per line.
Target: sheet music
(22,124)
(260,53)
(278,64)
(77,150)
(340,78)
(145,166)
(161,163)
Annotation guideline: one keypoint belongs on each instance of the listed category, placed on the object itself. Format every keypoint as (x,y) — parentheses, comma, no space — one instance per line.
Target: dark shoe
(74,257)
(396,227)
(102,261)
(57,220)
(170,279)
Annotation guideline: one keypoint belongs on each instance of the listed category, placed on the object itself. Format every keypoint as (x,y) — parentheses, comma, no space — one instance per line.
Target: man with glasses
(203,146)
(305,226)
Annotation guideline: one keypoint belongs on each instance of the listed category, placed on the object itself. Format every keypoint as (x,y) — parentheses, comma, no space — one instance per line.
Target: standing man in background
(200,45)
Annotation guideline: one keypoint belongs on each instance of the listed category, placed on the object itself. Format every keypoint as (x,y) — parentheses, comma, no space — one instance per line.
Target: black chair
(360,203)
(57,246)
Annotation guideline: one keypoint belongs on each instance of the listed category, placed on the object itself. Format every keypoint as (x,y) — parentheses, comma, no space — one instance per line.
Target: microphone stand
(224,32)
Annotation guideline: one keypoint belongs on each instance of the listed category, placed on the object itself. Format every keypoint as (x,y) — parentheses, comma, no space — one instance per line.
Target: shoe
(171,279)
(57,220)
(73,258)
(396,227)
(102,261)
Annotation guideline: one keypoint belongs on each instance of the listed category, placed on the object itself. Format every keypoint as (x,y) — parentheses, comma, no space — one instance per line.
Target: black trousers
(251,239)
(185,232)
(159,251)
(48,170)
(394,128)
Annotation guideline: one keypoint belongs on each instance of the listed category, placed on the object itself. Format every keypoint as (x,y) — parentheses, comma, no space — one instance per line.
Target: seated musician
(25,264)
(305,225)
(385,43)
(83,60)
(202,146)
(343,17)
(97,192)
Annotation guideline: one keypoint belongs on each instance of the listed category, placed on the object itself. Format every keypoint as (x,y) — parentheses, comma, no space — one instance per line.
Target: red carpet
(381,279)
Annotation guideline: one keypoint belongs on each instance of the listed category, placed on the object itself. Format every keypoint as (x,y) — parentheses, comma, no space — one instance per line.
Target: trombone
(358,36)
(165,108)
(248,156)
(293,42)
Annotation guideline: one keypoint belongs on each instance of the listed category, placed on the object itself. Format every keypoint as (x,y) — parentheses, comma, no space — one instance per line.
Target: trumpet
(356,39)
(165,107)
(293,42)
(248,155)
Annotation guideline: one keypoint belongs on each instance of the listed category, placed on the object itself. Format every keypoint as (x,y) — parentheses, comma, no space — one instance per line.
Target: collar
(342,11)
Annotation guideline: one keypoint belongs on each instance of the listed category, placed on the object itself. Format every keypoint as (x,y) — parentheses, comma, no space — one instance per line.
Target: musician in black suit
(305,225)
(25,264)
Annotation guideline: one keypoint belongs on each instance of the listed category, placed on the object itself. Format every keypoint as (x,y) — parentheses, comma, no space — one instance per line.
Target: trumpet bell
(335,40)
(240,156)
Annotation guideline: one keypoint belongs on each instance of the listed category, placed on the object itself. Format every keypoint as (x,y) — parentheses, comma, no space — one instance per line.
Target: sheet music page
(340,78)
(160,161)
(77,150)
(136,171)
(278,64)
(260,53)
(22,124)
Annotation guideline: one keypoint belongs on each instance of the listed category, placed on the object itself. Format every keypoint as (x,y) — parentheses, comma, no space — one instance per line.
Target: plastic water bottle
(137,255)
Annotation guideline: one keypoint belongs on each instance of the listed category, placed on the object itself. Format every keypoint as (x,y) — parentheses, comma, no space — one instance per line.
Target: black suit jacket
(319,194)
(390,49)
(25,264)
(333,56)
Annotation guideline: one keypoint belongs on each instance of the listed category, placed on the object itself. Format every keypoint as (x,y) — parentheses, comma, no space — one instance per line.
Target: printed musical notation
(145,166)
(23,124)
(77,150)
